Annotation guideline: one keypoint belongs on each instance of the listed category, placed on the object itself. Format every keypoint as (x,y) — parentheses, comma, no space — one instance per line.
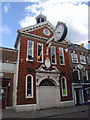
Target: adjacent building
(7,75)
(80,67)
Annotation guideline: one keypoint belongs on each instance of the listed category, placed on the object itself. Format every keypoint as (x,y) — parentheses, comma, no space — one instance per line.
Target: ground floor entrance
(5,93)
(78,95)
(48,94)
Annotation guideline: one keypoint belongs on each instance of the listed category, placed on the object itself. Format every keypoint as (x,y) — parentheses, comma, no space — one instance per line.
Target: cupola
(40,18)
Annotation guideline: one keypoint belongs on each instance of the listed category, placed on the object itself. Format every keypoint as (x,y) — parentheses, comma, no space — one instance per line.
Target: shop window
(40,52)
(74,57)
(29,86)
(64,86)
(62,61)
(30,50)
(82,59)
(53,54)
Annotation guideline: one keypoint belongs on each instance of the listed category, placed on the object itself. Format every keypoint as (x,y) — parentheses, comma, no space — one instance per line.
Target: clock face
(60,32)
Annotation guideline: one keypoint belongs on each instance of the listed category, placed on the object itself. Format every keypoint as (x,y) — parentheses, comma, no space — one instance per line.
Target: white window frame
(42,52)
(55,54)
(84,59)
(88,57)
(65,86)
(27,59)
(78,73)
(31,85)
(62,52)
(73,60)
(88,93)
(86,74)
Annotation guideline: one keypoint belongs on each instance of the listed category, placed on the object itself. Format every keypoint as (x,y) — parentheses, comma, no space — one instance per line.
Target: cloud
(72,12)
(6,7)
(5,30)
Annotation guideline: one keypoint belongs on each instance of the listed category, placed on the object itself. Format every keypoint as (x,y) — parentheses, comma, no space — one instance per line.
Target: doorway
(48,96)
(79,96)
(5,91)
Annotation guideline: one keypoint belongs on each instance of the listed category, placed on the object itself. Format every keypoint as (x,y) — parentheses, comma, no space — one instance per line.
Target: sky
(16,14)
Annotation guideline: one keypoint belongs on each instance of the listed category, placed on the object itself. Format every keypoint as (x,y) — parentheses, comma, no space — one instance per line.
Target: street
(81,114)
(70,112)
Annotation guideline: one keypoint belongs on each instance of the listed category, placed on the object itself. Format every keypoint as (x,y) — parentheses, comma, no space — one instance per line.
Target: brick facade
(29,67)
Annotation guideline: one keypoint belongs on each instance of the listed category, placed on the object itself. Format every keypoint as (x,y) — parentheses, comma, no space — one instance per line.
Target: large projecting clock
(60,31)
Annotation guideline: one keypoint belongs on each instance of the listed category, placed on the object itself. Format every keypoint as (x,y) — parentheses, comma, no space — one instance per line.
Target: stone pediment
(38,29)
(43,69)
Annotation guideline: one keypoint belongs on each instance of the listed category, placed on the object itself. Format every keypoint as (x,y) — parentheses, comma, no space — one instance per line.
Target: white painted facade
(7,67)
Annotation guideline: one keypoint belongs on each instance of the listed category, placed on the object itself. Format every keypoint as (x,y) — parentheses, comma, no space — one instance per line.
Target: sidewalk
(9,113)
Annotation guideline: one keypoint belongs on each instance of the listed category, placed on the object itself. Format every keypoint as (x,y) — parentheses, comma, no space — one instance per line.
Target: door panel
(47,96)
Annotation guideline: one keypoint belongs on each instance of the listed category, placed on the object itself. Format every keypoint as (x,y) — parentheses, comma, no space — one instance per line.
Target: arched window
(47,82)
(64,86)
(29,86)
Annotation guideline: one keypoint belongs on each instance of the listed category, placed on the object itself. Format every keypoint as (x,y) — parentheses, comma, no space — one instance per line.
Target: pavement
(45,113)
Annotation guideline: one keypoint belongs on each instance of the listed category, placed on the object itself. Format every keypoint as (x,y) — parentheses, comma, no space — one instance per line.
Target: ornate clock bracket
(60,33)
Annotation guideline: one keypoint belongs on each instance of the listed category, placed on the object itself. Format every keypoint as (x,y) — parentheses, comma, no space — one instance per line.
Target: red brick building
(39,86)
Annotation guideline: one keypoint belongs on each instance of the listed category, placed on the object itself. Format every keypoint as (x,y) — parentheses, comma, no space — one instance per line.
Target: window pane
(88,94)
(64,89)
(53,54)
(63,83)
(30,49)
(74,57)
(29,86)
(40,52)
(84,75)
(82,59)
(61,56)
(88,59)
(76,75)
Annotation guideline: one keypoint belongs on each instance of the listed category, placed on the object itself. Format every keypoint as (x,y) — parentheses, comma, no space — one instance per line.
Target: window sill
(74,62)
(27,60)
(62,64)
(83,63)
(64,95)
(54,63)
(40,61)
(29,97)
